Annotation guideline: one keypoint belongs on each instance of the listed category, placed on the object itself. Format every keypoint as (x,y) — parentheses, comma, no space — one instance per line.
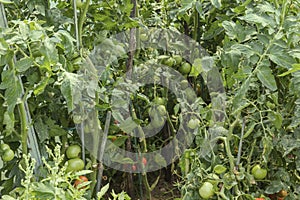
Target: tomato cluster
(6,153)
(74,162)
(177,62)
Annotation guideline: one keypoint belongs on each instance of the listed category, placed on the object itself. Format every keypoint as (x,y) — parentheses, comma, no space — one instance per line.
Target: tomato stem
(24,129)
(81,21)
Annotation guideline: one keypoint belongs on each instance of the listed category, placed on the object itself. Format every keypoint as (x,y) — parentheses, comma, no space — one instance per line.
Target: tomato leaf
(23,64)
(216,3)
(103,191)
(219,169)
(6,1)
(295,68)
(264,74)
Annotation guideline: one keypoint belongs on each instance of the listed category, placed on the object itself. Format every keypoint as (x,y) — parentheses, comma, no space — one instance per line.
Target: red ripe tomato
(144,160)
(80,180)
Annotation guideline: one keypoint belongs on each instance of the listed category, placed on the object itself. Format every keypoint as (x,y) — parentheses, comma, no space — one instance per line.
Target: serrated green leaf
(216,3)
(6,197)
(280,57)
(238,98)
(23,64)
(71,89)
(219,169)
(243,49)
(264,74)
(196,67)
(229,27)
(262,19)
(9,122)
(39,89)
(103,191)
(276,118)
(6,1)
(274,187)
(296,67)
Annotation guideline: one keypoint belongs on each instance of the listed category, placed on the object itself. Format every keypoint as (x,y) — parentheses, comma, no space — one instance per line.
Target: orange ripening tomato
(80,180)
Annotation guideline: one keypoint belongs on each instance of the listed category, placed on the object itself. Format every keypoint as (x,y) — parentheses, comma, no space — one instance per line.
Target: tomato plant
(248,115)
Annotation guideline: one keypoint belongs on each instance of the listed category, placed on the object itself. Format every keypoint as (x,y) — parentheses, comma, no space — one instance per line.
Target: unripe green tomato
(159,101)
(158,122)
(162,110)
(185,68)
(8,155)
(169,62)
(258,172)
(79,4)
(193,123)
(73,151)
(75,164)
(206,191)
(178,59)
(4,147)
(184,84)
(143,37)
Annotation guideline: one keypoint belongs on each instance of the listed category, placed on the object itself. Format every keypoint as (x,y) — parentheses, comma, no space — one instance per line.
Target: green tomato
(169,62)
(157,122)
(258,172)
(79,4)
(73,151)
(193,123)
(206,191)
(184,84)
(159,101)
(185,68)
(143,37)
(75,164)
(8,155)
(162,110)
(4,147)
(190,95)
(178,59)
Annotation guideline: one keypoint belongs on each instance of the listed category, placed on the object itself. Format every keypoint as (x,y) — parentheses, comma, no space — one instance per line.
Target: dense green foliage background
(254,45)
